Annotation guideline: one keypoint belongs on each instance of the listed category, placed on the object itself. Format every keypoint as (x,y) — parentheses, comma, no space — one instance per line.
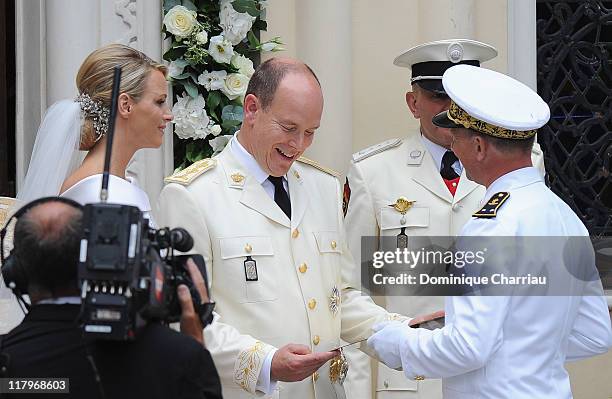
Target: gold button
(295,233)
(248,248)
(303,268)
(312,304)
(454,184)
(316,340)
(419,378)
(315,375)
(333,244)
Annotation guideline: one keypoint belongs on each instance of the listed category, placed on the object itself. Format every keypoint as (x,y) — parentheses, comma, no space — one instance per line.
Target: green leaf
(192,151)
(175,53)
(181,62)
(252,39)
(260,24)
(248,6)
(214,99)
(190,88)
(231,113)
(168,4)
(228,125)
(189,5)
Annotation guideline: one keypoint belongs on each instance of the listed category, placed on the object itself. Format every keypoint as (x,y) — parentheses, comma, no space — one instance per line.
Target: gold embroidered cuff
(460,117)
(248,365)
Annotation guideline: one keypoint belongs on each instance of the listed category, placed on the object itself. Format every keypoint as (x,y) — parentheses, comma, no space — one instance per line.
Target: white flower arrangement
(211,42)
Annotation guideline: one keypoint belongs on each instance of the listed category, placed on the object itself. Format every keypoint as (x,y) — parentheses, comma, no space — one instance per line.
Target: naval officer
(421,169)
(504,346)
(269,224)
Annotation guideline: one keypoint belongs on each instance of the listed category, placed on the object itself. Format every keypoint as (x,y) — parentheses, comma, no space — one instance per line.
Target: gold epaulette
(376,149)
(190,173)
(314,164)
(490,209)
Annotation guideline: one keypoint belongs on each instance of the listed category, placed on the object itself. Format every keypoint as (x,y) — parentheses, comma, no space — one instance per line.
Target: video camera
(128,272)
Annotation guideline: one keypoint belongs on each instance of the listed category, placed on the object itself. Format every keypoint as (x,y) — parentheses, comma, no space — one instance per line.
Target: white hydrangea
(244,65)
(180,21)
(214,80)
(219,143)
(221,49)
(235,85)
(235,25)
(190,118)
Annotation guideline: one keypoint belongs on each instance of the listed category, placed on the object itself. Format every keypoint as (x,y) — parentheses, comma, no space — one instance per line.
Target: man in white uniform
(272,234)
(504,346)
(422,169)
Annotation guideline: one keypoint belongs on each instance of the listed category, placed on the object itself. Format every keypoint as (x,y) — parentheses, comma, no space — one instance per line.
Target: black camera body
(128,272)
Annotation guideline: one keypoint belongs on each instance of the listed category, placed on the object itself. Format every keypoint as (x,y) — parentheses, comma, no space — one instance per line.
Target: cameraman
(49,343)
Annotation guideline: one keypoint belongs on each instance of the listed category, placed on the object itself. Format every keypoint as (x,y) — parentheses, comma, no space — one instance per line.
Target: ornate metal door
(575,79)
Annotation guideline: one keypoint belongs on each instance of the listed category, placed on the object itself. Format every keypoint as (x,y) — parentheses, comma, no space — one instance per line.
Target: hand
(295,362)
(190,321)
(386,342)
(427,317)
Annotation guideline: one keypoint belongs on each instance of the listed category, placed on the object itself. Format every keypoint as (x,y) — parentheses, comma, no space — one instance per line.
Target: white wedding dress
(120,191)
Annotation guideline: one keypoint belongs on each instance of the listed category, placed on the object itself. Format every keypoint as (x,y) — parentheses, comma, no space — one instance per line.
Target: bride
(82,123)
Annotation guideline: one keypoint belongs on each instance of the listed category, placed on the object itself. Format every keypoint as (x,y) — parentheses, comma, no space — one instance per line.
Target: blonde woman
(82,123)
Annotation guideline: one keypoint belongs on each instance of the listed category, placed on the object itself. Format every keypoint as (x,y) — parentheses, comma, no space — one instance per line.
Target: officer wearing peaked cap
(504,346)
(421,169)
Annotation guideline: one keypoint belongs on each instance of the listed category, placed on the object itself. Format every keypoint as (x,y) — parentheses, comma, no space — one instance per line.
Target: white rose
(202,37)
(180,21)
(235,25)
(244,65)
(235,85)
(190,118)
(220,49)
(214,80)
(219,143)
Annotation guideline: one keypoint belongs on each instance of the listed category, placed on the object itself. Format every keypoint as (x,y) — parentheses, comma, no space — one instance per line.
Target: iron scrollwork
(575,79)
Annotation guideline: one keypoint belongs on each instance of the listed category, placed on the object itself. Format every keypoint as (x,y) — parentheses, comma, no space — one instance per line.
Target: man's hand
(190,322)
(295,362)
(428,317)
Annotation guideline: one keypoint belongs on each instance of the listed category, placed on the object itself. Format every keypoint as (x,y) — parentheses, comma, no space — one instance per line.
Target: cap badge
(455,52)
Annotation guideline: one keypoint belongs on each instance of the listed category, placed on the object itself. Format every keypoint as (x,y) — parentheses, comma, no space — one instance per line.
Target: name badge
(250,269)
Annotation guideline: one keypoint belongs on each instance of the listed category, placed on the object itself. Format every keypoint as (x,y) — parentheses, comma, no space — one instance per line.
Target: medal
(334,301)
(338,369)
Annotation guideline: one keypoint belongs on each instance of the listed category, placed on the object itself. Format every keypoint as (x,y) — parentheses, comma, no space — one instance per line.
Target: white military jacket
(377,177)
(514,347)
(300,295)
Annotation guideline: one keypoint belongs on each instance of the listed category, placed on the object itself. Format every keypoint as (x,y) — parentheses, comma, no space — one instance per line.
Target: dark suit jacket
(160,363)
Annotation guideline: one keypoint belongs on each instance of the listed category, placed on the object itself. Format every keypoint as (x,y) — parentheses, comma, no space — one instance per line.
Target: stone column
(323,40)
(522,46)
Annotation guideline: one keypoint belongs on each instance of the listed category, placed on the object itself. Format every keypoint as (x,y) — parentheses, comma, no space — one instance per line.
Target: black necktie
(447,170)
(280,195)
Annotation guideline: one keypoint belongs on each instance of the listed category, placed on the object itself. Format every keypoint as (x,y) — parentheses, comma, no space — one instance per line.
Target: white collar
(437,152)
(511,180)
(248,161)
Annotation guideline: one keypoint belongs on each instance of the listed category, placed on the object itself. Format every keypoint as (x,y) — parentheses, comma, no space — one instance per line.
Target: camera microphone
(181,239)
